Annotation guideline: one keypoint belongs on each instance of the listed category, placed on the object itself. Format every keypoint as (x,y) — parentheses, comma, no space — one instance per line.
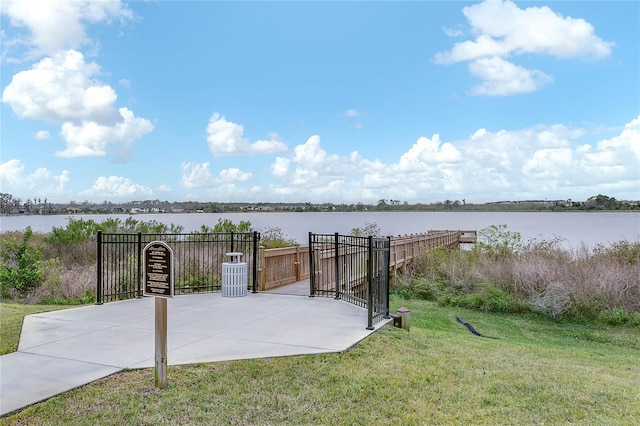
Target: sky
(340,102)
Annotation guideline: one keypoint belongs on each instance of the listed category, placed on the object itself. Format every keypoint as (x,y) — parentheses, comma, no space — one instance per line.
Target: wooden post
(262,279)
(296,263)
(406,317)
(161,342)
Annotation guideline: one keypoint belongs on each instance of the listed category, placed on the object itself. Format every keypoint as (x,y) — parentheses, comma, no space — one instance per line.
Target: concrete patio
(65,349)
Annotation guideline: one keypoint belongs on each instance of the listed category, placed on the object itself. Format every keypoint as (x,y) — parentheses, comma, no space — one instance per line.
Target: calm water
(574,227)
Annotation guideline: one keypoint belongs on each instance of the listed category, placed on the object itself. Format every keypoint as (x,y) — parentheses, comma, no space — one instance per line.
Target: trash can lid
(235,256)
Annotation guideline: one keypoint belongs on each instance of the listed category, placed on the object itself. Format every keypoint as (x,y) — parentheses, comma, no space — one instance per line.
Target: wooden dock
(282,266)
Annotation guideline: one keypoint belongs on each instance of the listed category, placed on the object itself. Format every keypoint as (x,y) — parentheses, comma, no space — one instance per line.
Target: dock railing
(281,266)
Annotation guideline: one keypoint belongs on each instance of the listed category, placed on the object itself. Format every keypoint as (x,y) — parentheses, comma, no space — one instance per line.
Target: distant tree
(602,202)
(369,230)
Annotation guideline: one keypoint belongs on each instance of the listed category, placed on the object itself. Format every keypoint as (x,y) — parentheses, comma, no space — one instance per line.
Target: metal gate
(355,269)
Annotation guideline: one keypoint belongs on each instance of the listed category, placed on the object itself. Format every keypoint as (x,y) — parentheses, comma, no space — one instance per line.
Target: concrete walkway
(65,349)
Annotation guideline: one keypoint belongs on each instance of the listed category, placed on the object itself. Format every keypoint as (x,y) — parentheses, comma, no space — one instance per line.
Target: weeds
(505,274)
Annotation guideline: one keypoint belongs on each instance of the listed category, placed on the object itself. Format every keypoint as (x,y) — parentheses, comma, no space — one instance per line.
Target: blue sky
(339,102)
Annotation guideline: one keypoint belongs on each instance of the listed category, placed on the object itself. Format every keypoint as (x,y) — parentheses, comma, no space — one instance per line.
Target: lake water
(575,228)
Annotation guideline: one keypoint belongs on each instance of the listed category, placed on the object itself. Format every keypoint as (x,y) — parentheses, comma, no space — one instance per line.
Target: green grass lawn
(538,372)
(11,316)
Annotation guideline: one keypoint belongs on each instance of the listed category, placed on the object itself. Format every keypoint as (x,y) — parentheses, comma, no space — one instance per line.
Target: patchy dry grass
(540,371)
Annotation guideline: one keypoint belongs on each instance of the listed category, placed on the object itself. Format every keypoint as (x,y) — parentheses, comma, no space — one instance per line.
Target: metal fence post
(255,262)
(139,271)
(99,269)
(387,277)
(312,268)
(370,284)
(337,263)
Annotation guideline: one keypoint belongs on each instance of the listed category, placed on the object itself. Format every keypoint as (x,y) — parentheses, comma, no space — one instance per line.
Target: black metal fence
(198,259)
(355,269)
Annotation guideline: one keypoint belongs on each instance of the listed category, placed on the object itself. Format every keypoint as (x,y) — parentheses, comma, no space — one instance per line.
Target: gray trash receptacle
(234,276)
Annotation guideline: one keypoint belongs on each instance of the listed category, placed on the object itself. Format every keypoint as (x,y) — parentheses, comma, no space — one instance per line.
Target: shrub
(132,225)
(622,252)
(227,226)
(536,275)
(488,299)
(554,300)
(497,241)
(21,268)
(368,230)
(615,316)
(64,285)
(76,231)
(273,237)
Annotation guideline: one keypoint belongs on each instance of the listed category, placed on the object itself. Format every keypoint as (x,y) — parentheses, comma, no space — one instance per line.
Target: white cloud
(233,174)
(427,152)
(62,89)
(42,134)
(226,138)
(455,31)
(504,30)
(351,113)
(628,139)
(116,188)
(280,167)
(541,161)
(196,175)
(11,172)
(502,78)
(90,139)
(57,25)
(41,183)
(314,164)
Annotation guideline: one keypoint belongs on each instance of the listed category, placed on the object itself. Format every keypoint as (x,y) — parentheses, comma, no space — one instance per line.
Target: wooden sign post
(158,282)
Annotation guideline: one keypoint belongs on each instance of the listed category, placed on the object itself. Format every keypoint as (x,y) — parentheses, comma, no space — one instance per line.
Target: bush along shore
(502,273)
(60,267)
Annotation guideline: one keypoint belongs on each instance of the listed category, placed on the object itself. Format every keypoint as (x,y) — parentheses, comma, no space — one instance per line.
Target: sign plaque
(158,269)
(158,282)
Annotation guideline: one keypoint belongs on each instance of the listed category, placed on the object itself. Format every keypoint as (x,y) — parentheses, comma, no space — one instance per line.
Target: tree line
(13,205)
